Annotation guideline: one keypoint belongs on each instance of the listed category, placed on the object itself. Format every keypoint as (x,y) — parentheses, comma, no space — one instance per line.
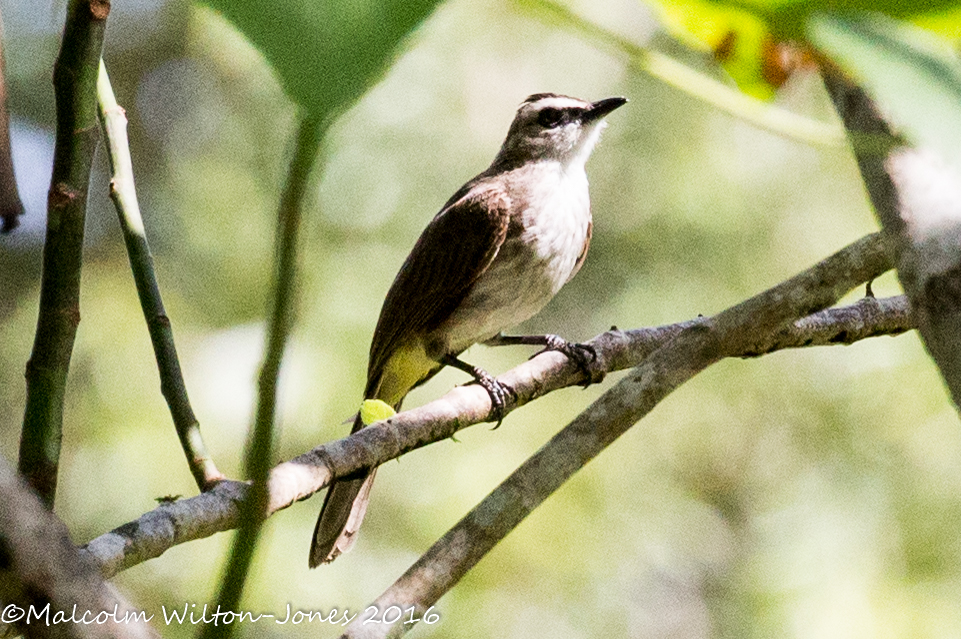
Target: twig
(260,447)
(171,524)
(75,88)
(123,192)
(733,332)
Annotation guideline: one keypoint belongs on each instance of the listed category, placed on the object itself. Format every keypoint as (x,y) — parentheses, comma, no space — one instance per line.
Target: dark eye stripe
(551,118)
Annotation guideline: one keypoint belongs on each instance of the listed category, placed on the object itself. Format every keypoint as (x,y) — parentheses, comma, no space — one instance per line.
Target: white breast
(557,221)
(539,256)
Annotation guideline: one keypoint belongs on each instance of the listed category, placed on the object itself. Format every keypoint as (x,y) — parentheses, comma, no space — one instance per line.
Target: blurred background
(812,493)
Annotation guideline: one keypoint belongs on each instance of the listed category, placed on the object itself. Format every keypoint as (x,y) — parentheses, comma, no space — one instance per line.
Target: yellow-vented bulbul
(501,247)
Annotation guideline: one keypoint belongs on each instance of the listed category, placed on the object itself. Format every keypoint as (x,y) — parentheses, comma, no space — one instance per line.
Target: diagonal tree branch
(217,510)
(75,88)
(734,332)
(41,568)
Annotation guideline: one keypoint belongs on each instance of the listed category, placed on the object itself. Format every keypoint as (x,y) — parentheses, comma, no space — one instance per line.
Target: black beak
(601,108)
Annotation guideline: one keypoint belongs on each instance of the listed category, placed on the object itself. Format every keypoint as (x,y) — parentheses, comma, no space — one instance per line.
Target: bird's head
(555,127)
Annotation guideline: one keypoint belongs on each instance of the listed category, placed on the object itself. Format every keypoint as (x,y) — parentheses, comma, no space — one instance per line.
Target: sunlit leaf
(327,53)
(734,35)
(374,410)
(752,39)
(946,24)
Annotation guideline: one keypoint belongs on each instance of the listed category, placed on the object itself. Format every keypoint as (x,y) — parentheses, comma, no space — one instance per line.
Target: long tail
(341,516)
(346,500)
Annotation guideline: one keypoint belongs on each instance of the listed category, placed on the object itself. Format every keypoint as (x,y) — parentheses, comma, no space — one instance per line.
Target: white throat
(585,146)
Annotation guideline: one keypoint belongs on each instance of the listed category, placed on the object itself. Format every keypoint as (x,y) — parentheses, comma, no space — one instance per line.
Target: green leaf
(374,410)
(945,23)
(717,26)
(745,34)
(911,74)
(327,53)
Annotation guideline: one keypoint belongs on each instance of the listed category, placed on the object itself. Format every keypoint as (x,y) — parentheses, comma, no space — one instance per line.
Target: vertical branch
(916,196)
(11,208)
(75,86)
(123,192)
(260,446)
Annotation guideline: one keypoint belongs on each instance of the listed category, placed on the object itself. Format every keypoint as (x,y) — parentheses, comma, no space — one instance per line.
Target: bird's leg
(500,394)
(583,355)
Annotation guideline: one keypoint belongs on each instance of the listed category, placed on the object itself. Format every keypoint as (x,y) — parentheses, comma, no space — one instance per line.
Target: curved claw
(583,355)
(500,394)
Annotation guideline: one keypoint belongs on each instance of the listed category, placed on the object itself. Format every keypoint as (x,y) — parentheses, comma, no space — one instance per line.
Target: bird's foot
(501,394)
(583,355)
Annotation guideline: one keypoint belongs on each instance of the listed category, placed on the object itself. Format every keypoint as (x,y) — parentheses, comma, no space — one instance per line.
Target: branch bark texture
(217,510)
(123,192)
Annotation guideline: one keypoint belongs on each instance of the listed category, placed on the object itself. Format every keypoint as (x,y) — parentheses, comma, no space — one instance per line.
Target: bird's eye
(551,118)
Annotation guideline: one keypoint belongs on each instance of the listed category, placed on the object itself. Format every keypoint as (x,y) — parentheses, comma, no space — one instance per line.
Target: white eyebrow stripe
(559,103)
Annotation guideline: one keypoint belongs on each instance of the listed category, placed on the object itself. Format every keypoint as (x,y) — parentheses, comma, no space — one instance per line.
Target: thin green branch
(260,447)
(692,82)
(75,89)
(732,332)
(123,192)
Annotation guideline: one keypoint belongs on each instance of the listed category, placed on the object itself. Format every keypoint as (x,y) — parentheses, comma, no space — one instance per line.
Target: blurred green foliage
(804,494)
(746,35)
(326,53)
(915,77)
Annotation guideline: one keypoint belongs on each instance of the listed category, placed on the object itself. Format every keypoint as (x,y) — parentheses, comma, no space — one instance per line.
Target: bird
(499,249)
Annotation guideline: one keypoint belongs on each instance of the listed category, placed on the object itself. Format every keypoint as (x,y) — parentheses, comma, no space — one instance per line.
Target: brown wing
(452,252)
